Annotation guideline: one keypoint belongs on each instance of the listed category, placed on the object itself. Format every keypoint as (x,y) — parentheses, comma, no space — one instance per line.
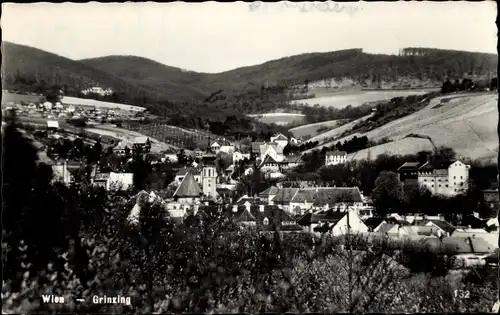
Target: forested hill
(148,83)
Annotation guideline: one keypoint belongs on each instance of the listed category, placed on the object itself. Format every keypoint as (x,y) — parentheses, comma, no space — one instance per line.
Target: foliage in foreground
(78,242)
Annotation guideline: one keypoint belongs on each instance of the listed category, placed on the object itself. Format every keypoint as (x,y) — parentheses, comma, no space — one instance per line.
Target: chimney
(261,208)
(235,208)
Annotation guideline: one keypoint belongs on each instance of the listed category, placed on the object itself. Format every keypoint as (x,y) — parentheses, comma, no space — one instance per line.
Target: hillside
(466,123)
(144,82)
(151,74)
(30,69)
(414,67)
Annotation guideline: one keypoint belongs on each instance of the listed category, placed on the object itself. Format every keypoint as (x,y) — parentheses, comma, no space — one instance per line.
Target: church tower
(209,176)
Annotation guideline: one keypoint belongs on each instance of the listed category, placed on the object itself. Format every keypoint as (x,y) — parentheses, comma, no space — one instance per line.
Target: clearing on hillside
(282,119)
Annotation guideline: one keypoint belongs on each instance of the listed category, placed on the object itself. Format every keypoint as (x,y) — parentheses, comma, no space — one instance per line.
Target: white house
(269,164)
(229,149)
(215,147)
(448,179)
(295,141)
(273,150)
(335,157)
(238,157)
(280,140)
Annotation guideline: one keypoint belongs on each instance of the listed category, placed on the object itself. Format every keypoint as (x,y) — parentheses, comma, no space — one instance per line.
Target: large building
(444,178)
(408,173)
(299,200)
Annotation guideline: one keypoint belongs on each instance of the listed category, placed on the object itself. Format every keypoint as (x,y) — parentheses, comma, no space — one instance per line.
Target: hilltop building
(280,140)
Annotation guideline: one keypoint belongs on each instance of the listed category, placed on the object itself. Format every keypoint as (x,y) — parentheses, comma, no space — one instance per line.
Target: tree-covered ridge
(141,77)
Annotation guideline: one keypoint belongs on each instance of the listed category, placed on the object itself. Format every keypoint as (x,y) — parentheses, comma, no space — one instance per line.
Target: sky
(215,37)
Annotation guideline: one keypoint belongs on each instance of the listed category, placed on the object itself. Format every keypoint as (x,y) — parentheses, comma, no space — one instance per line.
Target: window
(265,221)
(439,185)
(446,186)
(461,177)
(454,177)
(432,186)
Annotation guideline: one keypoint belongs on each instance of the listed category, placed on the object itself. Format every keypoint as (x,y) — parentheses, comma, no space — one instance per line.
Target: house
(122,146)
(467,251)
(264,217)
(446,227)
(183,172)
(291,161)
(120,181)
(170,156)
(238,157)
(273,150)
(198,154)
(333,222)
(229,170)
(283,198)
(269,164)
(215,147)
(295,141)
(255,148)
(491,199)
(280,140)
(268,194)
(52,125)
(373,222)
(229,149)
(335,157)
(490,238)
(61,173)
(444,178)
(101,180)
(186,197)
(408,173)
(340,198)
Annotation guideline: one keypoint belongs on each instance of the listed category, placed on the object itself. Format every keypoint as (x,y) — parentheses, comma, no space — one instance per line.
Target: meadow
(281,119)
(356,98)
(8,97)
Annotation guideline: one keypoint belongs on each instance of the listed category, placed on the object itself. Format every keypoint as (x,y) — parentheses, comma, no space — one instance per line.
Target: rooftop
(188,187)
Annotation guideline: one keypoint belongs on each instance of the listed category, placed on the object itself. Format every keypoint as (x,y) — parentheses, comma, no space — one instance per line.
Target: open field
(8,97)
(311,129)
(467,123)
(125,134)
(279,118)
(357,98)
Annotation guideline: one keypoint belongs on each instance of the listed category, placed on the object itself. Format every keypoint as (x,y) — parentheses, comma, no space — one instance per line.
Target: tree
(182,158)
(387,194)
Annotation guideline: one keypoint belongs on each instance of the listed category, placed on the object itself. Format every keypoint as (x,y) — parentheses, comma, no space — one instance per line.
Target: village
(201,181)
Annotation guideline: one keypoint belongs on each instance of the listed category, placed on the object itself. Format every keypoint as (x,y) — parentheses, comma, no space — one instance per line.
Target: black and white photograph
(250,157)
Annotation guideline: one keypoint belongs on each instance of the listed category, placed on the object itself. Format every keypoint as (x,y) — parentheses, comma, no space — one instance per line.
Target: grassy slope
(311,129)
(466,123)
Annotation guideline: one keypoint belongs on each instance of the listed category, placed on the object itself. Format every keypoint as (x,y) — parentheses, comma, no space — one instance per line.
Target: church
(191,192)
